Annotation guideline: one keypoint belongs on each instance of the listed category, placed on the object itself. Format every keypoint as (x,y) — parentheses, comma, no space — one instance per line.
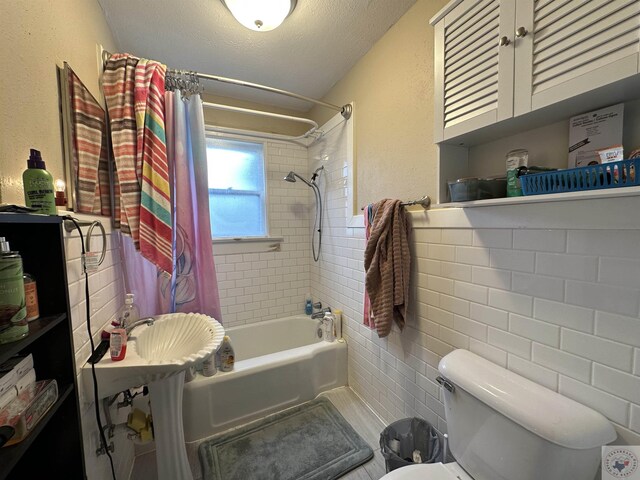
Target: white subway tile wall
(262,286)
(560,307)
(106,297)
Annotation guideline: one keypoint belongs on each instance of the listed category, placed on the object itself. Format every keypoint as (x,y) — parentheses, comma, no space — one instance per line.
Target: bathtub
(279,363)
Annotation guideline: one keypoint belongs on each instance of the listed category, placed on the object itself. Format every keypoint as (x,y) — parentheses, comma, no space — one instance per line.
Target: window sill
(231,246)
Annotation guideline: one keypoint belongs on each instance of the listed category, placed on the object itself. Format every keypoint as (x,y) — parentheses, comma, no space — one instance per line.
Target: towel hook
(104,239)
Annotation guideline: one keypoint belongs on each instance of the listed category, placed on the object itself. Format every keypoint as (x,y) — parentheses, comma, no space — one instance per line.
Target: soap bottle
(118,344)
(129,313)
(226,355)
(308,306)
(38,185)
(13,308)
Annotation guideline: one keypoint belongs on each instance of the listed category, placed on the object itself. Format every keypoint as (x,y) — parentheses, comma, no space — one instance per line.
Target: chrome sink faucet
(142,321)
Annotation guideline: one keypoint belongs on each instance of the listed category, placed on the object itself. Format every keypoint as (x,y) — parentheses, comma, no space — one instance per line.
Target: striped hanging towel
(90,150)
(118,85)
(151,161)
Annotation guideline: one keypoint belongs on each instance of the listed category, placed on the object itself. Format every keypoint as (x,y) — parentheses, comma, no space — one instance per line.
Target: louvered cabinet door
(572,47)
(473,71)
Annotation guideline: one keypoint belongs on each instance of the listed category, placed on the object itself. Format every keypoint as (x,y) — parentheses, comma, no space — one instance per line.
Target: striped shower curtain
(167,264)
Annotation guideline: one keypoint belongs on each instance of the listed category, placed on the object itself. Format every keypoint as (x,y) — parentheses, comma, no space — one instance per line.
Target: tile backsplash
(107,295)
(560,307)
(525,311)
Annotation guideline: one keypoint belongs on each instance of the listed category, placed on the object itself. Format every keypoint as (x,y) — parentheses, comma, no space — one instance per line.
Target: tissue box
(593,131)
(25,411)
(7,381)
(19,364)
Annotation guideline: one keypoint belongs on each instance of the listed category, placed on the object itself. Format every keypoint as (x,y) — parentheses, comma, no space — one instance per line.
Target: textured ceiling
(315,47)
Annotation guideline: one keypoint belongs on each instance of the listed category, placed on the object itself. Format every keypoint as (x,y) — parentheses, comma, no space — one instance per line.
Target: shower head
(315,173)
(317,224)
(291,177)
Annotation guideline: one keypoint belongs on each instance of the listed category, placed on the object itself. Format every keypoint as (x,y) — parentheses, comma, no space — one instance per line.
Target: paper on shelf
(593,131)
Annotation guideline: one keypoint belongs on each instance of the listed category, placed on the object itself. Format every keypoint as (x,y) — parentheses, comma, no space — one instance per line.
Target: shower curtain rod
(345,110)
(299,140)
(261,113)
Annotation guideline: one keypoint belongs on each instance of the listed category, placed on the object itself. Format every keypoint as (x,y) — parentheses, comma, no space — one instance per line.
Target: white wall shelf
(550,197)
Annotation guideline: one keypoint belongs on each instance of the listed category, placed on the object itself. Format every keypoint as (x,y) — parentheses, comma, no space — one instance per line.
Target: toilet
(502,426)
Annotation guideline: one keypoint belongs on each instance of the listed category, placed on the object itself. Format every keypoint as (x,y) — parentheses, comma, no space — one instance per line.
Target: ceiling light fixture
(260,15)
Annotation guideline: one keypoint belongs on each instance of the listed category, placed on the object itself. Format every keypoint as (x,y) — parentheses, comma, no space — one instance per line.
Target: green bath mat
(309,442)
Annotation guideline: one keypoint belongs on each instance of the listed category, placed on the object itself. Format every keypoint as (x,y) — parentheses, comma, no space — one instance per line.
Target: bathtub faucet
(321,313)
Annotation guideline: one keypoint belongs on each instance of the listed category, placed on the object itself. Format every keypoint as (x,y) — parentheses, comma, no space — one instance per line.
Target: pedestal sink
(158,356)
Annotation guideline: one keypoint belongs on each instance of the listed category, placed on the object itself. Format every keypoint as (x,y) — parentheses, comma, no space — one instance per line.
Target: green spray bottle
(38,185)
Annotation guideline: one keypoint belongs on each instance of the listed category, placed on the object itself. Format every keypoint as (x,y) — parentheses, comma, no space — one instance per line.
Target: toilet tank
(502,426)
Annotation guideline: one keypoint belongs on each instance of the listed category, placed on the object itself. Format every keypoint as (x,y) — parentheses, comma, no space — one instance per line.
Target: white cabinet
(572,47)
(498,59)
(473,71)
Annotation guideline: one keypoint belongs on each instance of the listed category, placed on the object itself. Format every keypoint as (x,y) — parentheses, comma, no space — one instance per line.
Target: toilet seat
(429,471)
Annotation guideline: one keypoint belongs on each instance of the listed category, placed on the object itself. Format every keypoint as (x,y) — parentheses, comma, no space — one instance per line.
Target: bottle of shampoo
(308,305)
(328,322)
(13,308)
(226,355)
(38,185)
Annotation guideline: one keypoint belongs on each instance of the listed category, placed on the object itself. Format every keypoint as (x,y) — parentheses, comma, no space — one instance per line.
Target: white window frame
(257,244)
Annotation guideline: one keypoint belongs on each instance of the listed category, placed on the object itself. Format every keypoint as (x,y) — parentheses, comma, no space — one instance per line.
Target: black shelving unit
(55,444)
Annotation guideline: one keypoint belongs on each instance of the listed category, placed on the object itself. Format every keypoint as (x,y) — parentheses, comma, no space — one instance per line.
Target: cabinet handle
(521,32)
(504,41)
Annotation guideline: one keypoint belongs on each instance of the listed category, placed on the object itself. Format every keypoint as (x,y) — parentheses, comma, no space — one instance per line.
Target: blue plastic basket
(593,177)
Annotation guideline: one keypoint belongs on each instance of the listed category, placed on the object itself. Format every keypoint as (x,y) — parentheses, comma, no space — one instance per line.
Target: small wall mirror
(86,151)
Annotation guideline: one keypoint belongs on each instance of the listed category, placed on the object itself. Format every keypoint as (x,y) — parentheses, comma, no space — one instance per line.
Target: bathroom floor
(348,404)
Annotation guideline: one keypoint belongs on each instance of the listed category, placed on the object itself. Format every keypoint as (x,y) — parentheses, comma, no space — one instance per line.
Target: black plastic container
(400,439)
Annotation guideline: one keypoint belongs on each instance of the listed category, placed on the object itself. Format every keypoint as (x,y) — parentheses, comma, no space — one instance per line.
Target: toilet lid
(429,471)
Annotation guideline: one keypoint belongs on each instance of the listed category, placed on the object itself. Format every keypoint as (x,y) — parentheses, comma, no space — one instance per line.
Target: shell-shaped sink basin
(177,338)
(173,343)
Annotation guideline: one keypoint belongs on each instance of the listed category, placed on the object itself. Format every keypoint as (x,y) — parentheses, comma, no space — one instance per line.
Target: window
(236,188)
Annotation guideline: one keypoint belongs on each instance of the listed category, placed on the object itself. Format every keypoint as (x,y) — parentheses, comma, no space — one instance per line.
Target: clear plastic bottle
(328,322)
(337,324)
(129,312)
(209,368)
